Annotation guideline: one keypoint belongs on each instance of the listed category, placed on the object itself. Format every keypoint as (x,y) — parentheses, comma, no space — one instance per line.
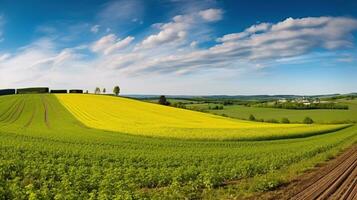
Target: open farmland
(146,119)
(47,153)
(318,115)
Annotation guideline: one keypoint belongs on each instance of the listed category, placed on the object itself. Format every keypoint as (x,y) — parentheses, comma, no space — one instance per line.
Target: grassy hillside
(47,154)
(147,119)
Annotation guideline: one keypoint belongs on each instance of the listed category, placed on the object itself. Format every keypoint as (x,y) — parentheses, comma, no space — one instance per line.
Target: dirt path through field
(335,180)
(45,106)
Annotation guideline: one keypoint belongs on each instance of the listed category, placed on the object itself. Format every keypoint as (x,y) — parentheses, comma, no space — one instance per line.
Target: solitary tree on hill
(97,90)
(116,90)
(285,120)
(104,90)
(251,117)
(308,120)
(163,100)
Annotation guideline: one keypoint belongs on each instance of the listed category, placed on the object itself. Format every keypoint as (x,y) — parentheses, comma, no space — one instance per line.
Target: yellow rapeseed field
(147,119)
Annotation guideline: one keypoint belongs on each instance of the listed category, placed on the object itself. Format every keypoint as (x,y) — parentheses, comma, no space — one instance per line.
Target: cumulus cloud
(211,14)
(291,37)
(254,48)
(37,63)
(110,43)
(260,43)
(3,57)
(176,31)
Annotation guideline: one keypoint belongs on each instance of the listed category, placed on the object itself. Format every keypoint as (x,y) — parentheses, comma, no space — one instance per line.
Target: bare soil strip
(45,106)
(32,117)
(335,180)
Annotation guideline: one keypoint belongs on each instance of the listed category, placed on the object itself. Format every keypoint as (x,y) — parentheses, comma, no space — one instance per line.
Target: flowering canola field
(146,119)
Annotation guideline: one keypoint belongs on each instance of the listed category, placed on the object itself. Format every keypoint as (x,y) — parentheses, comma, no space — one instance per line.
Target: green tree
(116,90)
(163,100)
(251,118)
(104,90)
(308,120)
(97,90)
(285,120)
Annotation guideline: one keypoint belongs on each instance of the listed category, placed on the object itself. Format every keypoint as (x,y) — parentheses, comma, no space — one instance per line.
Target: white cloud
(171,32)
(211,14)
(5,56)
(176,31)
(257,45)
(173,50)
(119,14)
(194,44)
(38,63)
(110,43)
(95,28)
(291,37)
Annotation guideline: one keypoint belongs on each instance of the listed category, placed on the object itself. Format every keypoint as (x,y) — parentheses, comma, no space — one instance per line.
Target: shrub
(216,107)
(163,100)
(33,90)
(285,120)
(308,120)
(272,121)
(179,105)
(76,91)
(116,90)
(251,117)
(58,91)
(7,91)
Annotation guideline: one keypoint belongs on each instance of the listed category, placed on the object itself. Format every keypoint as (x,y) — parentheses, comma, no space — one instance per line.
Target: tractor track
(337,180)
(334,180)
(29,122)
(45,106)
(9,110)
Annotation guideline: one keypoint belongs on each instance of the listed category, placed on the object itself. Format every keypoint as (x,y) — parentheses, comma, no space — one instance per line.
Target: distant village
(302,100)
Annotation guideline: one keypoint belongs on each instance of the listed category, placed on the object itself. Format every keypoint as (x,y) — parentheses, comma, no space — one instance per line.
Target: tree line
(116,90)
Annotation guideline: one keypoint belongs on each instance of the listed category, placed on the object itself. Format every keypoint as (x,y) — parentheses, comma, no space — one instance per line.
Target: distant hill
(241,97)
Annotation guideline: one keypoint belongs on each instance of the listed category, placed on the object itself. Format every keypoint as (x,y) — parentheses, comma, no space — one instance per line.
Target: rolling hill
(147,119)
(47,153)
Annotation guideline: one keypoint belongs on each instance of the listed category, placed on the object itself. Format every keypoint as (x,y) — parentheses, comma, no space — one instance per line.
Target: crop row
(67,160)
(146,119)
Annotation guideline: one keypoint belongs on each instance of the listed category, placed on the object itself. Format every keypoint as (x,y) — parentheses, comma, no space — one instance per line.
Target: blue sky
(181,47)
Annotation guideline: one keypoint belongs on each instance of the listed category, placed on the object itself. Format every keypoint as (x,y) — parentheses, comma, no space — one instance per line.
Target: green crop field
(47,153)
(318,115)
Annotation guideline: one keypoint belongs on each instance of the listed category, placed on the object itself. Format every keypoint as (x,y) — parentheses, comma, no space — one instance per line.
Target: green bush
(285,120)
(163,101)
(179,105)
(216,107)
(308,120)
(251,117)
(272,121)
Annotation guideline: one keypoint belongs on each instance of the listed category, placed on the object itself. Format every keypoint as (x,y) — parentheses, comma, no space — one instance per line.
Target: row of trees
(284,120)
(302,106)
(116,90)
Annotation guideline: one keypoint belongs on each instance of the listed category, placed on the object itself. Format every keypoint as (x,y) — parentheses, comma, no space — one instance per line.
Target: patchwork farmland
(79,146)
